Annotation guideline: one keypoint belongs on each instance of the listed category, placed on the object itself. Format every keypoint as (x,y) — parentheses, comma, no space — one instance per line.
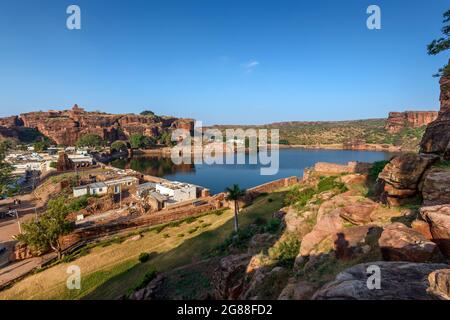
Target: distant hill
(353,134)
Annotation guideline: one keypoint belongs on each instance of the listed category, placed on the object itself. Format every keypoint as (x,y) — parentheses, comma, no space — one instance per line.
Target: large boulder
(400,178)
(400,243)
(398,281)
(436,139)
(438,217)
(436,186)
(440,283)
(326,225)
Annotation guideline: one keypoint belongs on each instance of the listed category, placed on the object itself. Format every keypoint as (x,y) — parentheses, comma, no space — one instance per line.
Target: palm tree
(234,193)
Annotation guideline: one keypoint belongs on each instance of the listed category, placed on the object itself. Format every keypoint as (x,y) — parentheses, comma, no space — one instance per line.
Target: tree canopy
(89,140)
(5,169)
(442,44)
(139,141)
(147,113)
(43,234)
(119,145)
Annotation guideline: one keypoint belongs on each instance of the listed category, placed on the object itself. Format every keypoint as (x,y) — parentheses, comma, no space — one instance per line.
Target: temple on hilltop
(77,109)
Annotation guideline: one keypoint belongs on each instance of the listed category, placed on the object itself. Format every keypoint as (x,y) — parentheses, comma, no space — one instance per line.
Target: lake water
(219,176)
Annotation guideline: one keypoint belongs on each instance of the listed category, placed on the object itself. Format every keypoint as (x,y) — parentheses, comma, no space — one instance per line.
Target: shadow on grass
(190,251)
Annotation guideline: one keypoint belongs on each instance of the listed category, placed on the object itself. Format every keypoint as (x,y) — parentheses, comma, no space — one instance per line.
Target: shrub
(329,183)
(143,257)
(286,252)
(272,226)
(149,276)
(376,169)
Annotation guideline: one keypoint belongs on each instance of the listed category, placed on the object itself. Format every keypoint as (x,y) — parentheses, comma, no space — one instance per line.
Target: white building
(177,191)
(98,188)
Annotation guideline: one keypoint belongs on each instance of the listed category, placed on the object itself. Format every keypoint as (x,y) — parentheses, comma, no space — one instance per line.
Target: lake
(219,176)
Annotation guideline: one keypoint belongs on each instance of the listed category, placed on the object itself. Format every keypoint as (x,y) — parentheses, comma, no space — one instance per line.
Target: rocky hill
(65,127)
(403,130)
(341,224)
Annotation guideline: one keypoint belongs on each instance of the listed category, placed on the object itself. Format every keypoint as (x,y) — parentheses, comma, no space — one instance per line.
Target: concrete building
(98,188)
(177,191)
(80,191)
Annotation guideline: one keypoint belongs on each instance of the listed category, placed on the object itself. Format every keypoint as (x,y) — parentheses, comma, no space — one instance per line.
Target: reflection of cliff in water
(155,166)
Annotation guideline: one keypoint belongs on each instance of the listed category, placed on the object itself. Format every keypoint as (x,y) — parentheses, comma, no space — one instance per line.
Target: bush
(286,252)
(143,257)
(272,226)
(89,140)
(329,183)
(376,169)
(149,276)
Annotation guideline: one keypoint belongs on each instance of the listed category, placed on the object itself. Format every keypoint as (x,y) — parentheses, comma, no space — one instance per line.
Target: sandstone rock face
(400,178)
(409,119)
(400,243)
(438,217)
(422,227)
(436,186)
(65,127)
(436,139)
(399,281)
(440,283)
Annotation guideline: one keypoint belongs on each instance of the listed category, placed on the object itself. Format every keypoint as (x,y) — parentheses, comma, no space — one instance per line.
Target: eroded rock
(400,243)
(399,281)
(438,217)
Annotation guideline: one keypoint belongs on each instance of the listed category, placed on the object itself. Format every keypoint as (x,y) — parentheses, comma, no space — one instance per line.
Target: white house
(80,191)
(98,188)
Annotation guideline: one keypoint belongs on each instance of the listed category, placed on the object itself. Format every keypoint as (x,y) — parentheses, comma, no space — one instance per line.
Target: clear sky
(221,61)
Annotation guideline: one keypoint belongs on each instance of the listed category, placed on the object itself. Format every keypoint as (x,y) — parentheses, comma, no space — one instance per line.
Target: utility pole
(120,195)
(18,221)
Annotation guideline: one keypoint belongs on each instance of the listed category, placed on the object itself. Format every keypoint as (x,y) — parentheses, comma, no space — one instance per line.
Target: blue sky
(221,61)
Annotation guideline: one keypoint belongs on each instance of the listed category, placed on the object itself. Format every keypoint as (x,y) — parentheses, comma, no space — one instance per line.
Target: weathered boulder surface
(400,178)
(436,186)
(397,121)
(150,291)
(400,243)
(399,281)
(422,227)
(436,139)
(440,283)
(438,217)
(228,279)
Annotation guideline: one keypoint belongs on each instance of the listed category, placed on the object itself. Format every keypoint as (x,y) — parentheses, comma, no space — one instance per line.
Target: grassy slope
(108,272)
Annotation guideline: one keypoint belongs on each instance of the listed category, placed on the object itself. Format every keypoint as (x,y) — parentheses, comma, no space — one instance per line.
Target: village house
(114,186)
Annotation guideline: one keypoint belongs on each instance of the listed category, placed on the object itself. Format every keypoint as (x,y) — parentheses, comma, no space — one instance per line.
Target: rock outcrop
(438,217)
(440,284)
(399,281)
(436,186)
(400,178)
(400,243)
(65,127)
(436,139)
(397,121)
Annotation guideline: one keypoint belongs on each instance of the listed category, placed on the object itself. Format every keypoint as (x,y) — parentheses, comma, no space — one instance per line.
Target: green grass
(111,268)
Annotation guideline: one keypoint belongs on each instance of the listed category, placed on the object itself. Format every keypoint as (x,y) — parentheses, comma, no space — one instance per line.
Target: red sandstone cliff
(436,139)
(409,119)
(65,127)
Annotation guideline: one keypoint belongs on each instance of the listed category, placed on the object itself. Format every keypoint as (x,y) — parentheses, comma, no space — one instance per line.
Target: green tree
(234,193)
(44,233)
(119,146)
(147,113)
(40,146)
(6,170)
(139,141)
(89,140)
(442,44)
